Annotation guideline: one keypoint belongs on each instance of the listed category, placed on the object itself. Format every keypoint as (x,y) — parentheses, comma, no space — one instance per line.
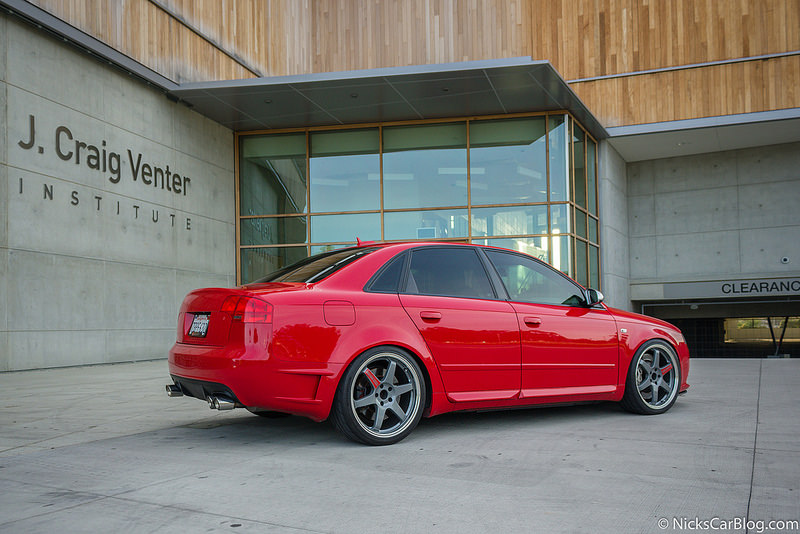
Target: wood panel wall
(581,38)
(139,29)
(600,37)
(692,93)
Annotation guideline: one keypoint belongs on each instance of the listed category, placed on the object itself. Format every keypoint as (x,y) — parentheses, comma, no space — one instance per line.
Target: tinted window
(452,272)
(527,280)
(316,267)
(388,278)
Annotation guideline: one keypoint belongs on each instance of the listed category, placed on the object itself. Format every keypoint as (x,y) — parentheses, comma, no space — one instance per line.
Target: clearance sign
(763,287)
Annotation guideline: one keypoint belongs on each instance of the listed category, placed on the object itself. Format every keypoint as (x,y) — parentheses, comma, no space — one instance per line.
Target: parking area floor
(102,449)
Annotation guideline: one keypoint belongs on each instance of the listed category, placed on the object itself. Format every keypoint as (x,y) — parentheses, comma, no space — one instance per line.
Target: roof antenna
(360,243)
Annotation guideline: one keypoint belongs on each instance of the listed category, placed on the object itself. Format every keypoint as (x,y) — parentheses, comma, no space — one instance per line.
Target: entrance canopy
(389,94)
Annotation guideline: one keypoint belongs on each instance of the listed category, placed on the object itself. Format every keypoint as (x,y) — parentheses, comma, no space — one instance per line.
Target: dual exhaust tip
(218,402)
(215,402)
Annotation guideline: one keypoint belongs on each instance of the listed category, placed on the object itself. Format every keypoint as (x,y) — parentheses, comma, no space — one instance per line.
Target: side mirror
(593,297)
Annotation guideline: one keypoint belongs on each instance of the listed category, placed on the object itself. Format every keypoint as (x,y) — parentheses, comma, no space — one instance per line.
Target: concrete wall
(714,216)
(94,261)
(615,269)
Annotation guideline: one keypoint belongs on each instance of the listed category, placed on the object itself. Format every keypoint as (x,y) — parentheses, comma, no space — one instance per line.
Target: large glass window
(557,140)
(579,167)
(511,220)
(345,170)
(346,228)
(272,177)
(432,224)
(508,161)
(526,182)
(425,166)
(257,262)
(273,230)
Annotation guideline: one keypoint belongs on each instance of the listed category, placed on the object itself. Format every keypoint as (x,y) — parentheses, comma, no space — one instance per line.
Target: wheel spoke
(656,358)
(380,414)
(390,372)
(644,384)
(646,367)
(372,378)
(367,400)
(402,389)
(654,393)
(399,411)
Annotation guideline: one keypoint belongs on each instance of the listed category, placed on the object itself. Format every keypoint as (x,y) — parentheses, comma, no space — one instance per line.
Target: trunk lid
(205,306)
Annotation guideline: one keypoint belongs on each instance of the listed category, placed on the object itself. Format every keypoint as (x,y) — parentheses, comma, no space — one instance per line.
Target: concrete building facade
(114,203)
(127,135)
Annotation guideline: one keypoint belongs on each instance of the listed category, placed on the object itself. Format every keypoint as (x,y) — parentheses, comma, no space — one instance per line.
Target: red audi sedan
(377,336)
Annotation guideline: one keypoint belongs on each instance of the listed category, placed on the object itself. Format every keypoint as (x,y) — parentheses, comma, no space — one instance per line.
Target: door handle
(430,315)
(532,321)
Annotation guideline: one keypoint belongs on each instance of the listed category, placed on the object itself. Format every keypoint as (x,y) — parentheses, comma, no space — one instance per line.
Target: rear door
(472,335)
(567,348)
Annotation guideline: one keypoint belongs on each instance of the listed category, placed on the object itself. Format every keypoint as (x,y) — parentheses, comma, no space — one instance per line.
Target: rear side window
(527,280)
(316,267)
(388,278)
(451,272)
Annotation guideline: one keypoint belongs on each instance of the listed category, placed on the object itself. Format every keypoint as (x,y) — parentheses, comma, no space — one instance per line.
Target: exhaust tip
(174,390)
(220,403)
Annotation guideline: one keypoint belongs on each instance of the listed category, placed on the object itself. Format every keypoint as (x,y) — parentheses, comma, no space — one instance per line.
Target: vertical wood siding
(581,38)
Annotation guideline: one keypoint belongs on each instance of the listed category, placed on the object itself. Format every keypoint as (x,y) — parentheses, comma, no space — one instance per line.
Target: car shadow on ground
(243,428)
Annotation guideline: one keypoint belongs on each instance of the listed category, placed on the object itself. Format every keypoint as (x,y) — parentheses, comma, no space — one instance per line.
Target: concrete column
(3,196)
(614,262)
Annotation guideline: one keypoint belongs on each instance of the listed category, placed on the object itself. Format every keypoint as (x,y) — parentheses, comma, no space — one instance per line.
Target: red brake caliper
(372,378)
(666,370)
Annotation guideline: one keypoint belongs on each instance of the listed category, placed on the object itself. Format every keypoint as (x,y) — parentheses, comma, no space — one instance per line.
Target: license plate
(199,325)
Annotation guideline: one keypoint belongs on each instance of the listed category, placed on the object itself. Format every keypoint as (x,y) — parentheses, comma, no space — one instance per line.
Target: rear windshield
(316,267)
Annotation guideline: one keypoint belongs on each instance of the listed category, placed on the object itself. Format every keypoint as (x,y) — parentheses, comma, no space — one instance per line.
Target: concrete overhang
(710,134)
(389,94)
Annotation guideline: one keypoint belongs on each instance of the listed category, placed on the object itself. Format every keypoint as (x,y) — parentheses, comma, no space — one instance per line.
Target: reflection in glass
(594,267)
(273,230)
(592,229)
(580,223)
(581,268)
(259,262)
(433,224)
(345,228)
(535,246)
(508,161)
(425,166)
(318,249)
(562,258)
(345,170)
(516,220)
(559,177)
(591,173)
(272,174)
(559,218)
(578,143)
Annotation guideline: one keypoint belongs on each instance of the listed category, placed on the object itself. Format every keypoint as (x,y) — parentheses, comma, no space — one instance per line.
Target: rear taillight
(248,309)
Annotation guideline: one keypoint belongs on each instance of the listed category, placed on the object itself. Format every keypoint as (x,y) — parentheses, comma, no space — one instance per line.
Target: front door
(567,348)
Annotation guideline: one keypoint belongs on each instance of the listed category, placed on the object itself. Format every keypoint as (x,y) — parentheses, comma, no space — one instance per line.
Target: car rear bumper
(255,382)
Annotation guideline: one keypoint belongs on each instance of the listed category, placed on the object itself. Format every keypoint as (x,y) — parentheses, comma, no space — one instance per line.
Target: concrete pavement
(103,449)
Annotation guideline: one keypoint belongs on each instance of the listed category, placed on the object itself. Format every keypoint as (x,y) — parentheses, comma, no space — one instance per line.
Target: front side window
(449,272)
(527,280)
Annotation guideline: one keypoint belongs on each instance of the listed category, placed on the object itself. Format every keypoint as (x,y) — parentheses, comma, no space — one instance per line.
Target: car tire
(654,379)
(380,398)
